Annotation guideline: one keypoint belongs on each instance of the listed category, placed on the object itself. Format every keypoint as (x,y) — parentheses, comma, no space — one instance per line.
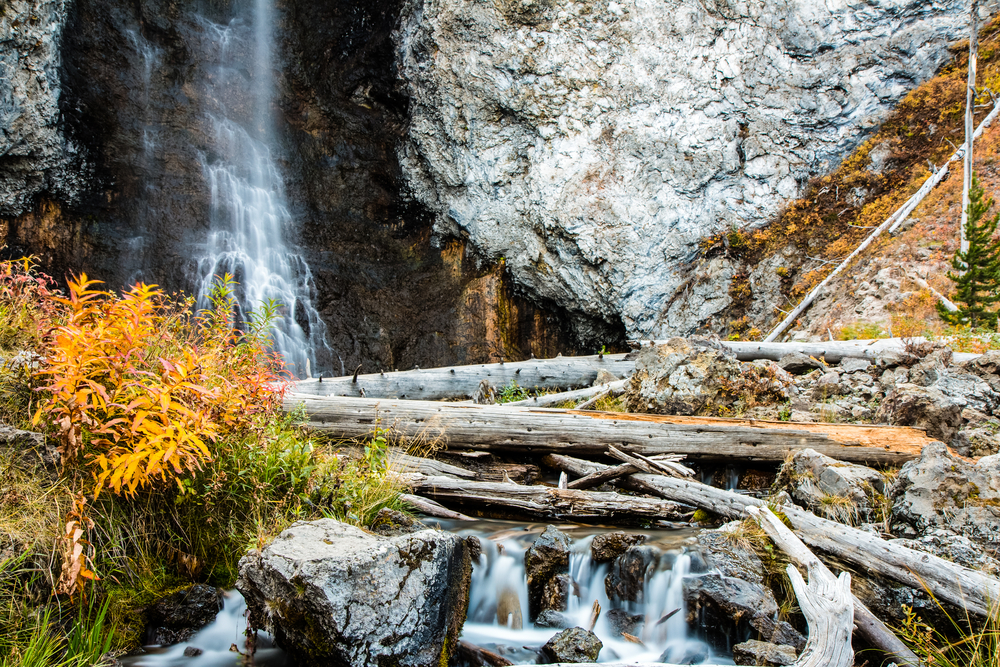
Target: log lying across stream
(526,430)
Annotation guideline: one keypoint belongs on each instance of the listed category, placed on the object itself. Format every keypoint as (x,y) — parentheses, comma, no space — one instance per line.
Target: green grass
(966,643)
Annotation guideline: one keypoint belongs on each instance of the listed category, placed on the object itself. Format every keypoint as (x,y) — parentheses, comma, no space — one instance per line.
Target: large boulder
(721,551)
(683,377)
(546,566)
(831,488)
(608,546)
(626,578)
(334,594)
(930,408)
(940,491)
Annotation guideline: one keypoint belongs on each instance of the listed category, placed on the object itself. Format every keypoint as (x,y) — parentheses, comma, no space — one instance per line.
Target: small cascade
(498,605)
(216,644)
(250,221)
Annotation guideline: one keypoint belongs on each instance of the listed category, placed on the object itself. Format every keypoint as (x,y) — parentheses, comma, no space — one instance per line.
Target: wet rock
(475,548)
(574,645)
(755,652)
(939,491)
(908,404)
(192,652)
(178,616)
(608,546)
(332,593)
(797,362)
(690,653)
(552,619)
(543,561)
(556,593)
(627,576)
(622,621)
(722,552)
(721,601)
(392,523)
(835,489)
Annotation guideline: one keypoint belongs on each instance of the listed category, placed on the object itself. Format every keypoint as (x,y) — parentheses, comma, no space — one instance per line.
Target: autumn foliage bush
(140,388)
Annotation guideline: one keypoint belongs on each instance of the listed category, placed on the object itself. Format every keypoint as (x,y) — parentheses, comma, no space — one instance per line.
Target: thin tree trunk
(970,102)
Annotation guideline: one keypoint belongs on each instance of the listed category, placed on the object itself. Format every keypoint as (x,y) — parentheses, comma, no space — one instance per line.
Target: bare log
(539,430)
(832,352)
(587,393)
(659,467)
(869,626)
(945,301)
(598,478)
(543,501)
(588,471)
(402,462)
(461,382)
(431,508)
(480,656)
(970,101)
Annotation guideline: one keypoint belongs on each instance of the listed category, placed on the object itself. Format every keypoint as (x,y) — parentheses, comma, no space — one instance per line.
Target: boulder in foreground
(333,594)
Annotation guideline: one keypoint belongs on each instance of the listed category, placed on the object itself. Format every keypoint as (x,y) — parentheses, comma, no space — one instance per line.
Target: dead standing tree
(970,102)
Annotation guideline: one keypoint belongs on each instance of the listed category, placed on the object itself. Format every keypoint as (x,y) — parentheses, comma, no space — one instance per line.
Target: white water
(501,568)
(250,226)
(215,641)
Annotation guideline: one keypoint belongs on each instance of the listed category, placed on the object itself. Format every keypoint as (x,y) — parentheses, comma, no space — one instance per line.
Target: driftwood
(401,462)
(539,430)
(826,601)
(431,508)
(461,382)
(597,478)
(542,501)
(869,626)
(547,400)
(477,655)
(669,466)
(588,471)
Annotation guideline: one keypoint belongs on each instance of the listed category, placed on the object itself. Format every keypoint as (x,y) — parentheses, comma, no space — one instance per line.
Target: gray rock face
(592,144)
(574,645)
(831,488)
(333,594)
(178,616)
(939,491)
(722,553)
(33,153)
(608,546)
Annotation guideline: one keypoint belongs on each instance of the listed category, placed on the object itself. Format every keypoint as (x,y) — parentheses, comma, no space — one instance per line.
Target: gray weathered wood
(431,508)
(833,352)
(869,626)
(970,102)
(547,400)
(402,462)
(461,382)
(597,478)
(539,430)
(543,501)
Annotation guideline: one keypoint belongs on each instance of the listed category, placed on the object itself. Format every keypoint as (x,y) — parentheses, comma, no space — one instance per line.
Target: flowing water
(498,581)
(251,227)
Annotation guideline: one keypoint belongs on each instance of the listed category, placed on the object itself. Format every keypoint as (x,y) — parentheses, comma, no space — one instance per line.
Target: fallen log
(431,508)
(402,462)
(869,626)
(600,477)
(588,470)
(832,352)
(539,430)
(591,393)
(544,501)
(826,602)
(461,382)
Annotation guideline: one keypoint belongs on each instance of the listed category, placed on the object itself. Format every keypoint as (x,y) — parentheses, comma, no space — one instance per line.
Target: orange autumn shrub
(141,390)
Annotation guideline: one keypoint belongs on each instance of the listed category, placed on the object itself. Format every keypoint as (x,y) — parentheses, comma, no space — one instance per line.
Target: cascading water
(250,221)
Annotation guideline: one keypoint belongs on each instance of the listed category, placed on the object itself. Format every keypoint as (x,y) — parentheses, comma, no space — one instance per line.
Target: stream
(498,579)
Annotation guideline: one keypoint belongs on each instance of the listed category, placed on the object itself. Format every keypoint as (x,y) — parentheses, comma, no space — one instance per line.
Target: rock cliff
(592,144)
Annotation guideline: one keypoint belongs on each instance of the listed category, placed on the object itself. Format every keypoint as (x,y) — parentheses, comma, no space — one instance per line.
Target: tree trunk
(528,431)
(970,103)
(589,392)
(544,501)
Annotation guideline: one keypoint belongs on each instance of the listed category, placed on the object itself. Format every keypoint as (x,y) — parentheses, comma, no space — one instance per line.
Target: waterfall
(250,222)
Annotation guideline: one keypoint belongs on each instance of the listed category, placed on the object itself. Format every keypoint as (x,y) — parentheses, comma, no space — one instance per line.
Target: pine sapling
(977,276)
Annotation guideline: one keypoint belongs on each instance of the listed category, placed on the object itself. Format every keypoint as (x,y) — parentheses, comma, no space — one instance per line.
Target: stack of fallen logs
(646,451)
